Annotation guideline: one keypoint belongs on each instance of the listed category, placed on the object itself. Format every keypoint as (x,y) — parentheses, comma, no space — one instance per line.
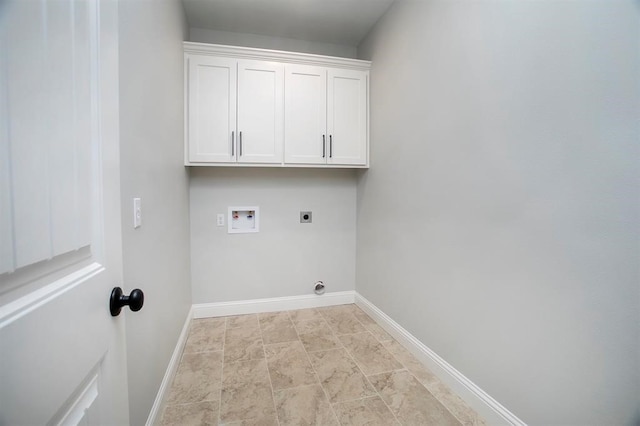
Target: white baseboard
(222,309)
(490,409)
(172,368)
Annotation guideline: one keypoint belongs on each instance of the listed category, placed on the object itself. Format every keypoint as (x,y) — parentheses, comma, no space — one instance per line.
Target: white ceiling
(344,22)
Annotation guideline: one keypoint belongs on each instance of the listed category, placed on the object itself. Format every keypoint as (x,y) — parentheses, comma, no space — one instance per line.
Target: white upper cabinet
(260,112)
(305,125)
(211,109)
(234,110)
(325,116)
(255,107)
(347,117)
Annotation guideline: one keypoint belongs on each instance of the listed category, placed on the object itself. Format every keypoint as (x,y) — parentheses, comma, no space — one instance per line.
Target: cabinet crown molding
(237,52)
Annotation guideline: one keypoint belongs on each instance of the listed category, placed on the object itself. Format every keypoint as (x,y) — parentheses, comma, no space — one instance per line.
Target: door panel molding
(28,303)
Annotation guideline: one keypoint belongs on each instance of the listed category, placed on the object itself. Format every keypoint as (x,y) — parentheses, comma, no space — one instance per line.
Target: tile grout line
(166,404)
(224,339)
(367,377)
(266,364)
(333,411)
(358,364)
(445,406)
(335,332)
(180,364)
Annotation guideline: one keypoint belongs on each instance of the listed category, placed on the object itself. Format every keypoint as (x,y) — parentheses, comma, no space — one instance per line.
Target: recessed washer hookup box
(243,220)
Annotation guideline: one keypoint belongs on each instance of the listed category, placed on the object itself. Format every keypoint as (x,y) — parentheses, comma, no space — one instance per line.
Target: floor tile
(304,315)
(242,344)
(479,421)
(277,328)
(370,411)
(245,321)
(272,317)
(370,355)
(250,402)
(340,377)
(320,339)
(289,365)
(361,315)
(342,321)
(336,309)
(258,421)
(378,332)
(246,391)
(422,373)
(465,414)
(306,405)
(240,373)
(410,401)
(197,378)
(309,326)
(205,335)
(199,413)
(456,405)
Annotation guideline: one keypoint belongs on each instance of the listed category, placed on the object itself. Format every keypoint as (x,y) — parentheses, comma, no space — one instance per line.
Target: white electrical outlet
(220,219)
(137,212)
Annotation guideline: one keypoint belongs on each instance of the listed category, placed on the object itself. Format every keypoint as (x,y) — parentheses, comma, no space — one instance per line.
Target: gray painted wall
(156,256)
(267,42)
(286,257)
(499,220)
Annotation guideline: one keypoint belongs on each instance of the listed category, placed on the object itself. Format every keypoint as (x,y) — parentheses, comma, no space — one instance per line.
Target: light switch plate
(220,219)
(137,212)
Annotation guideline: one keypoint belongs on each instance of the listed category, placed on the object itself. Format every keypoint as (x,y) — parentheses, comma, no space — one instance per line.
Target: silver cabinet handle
(330,146)
(233,144)
(241,144)
(324,147)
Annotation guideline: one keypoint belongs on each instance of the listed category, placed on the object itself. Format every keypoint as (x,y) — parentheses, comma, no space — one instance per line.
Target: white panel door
(305,127)
(260,111)
(211,114)
(62,355)
(347,117)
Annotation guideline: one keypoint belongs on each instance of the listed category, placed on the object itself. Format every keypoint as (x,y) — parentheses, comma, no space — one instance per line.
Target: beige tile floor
(324,366)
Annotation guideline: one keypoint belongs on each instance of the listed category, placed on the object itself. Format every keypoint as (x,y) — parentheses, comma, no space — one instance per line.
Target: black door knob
(135,300)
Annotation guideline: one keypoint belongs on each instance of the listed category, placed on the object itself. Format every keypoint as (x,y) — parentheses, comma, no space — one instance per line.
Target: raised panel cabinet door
(260,112)
(347,117)
(211,114)
(305,118)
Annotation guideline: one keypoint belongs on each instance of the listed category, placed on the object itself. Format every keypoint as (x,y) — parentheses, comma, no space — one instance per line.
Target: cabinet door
(305,126)
(347,117)
(260,112)
(211,114)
